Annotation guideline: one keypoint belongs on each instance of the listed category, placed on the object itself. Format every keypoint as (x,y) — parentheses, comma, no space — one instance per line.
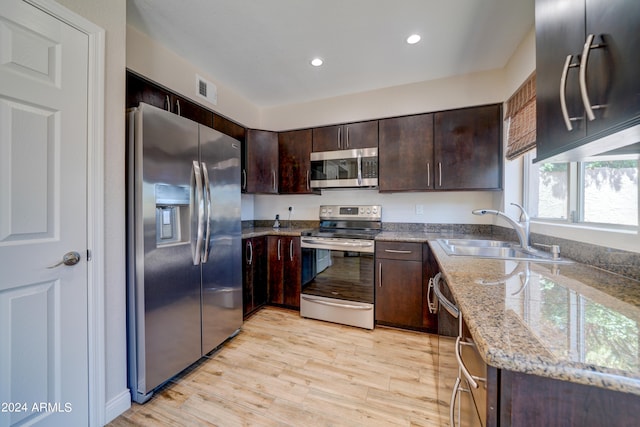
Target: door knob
(70,258)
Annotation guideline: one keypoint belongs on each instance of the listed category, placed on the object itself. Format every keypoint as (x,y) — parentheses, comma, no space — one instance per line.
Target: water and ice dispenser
(172,214)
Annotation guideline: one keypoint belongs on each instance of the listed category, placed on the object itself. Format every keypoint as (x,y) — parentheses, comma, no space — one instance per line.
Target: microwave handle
(359,167)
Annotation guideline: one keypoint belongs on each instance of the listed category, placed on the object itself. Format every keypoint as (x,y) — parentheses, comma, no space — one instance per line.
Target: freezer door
(164,283)
(222,261)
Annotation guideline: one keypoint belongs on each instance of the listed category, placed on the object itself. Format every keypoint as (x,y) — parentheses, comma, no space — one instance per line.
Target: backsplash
(624,263)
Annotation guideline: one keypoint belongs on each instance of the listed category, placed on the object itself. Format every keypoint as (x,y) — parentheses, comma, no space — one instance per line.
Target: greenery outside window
(603,192)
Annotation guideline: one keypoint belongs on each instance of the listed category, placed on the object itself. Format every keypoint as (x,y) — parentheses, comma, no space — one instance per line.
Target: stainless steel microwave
(345,168)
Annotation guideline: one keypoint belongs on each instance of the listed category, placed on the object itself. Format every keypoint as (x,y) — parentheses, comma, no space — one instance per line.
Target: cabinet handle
(471,379)
(244,179)
(431,304)
(428,175)
(563,93)
(178,107)
(339,135)
(308,181)
(291,250)
(167,103)
(440,174)
(452,402)
(380,274)
(583,77)
(398,251)
(250,247)
(347,144)
(279,249)
(273,178)
(359,166)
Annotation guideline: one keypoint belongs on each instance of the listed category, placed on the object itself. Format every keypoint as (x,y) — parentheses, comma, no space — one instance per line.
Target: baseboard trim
(117,406)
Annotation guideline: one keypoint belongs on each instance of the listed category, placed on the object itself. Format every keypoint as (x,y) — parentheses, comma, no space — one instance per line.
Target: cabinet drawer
(399,250)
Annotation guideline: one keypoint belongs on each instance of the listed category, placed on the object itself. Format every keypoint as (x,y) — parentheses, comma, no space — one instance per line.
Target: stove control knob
(368,211)
(375,211)
(361,211)
(330,211)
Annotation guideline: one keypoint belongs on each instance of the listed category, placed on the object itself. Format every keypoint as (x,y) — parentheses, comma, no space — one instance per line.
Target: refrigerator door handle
(198,207)
(208,205)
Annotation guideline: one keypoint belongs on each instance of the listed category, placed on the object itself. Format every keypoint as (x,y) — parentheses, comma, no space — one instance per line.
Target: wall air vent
(207,90)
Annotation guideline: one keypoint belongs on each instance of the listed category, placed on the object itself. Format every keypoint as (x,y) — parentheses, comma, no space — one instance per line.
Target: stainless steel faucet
(521,226)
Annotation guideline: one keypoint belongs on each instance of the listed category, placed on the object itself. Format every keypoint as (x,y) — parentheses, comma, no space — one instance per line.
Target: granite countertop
(248,232)
(570,322)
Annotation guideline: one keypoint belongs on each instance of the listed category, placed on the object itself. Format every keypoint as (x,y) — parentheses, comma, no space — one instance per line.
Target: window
(594,192)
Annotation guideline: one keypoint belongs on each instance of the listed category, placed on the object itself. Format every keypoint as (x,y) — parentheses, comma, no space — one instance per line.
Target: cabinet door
(254,274)
(275,269)
(261,160)
(292,272)
(613,70)
(141,90)
(192,111)
(429,269)
(555,41)
(229,127)
(468,148)
(346,137)
(294,157)
(360,135)
(399,292)
(406,153)
(260,288)
(327,138)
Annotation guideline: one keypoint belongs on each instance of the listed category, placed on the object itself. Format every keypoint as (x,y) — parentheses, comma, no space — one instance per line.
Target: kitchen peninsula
(561,341)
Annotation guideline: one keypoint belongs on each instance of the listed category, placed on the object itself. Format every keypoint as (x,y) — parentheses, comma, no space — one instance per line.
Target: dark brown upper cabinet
(346,136)
(294,157)
(597,39)
(260,171)
(468,148)
(140,89)
(449,150)
(406,153)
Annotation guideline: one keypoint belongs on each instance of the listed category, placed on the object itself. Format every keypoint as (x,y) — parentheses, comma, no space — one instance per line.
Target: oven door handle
(336,243)
(336,304)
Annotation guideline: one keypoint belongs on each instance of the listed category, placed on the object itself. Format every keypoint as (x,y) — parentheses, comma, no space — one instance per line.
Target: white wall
(151,59)
(439,207)
(112,16)
(461,91)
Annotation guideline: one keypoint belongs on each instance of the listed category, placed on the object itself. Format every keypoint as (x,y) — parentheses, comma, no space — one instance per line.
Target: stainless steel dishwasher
(461,370)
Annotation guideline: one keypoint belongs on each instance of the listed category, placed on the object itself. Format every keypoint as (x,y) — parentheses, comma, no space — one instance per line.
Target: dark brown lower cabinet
(529,400)
(399,287)
(254,274)
(284,270)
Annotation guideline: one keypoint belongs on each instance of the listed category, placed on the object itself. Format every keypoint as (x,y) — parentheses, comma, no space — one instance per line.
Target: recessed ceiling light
(316,62)
(413,39)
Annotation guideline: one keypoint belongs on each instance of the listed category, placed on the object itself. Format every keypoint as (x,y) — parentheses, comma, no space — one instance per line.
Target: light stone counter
(565,321)
(269,231)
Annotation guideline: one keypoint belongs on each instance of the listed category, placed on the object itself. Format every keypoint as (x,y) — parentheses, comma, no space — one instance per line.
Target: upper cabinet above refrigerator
(588,90)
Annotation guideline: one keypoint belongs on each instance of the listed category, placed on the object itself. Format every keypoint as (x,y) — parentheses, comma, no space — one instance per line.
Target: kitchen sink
(497,249)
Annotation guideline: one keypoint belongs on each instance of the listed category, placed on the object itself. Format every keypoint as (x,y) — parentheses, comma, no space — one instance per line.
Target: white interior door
(43,216)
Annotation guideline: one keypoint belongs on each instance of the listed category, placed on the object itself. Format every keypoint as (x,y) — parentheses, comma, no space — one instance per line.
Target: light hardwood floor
(283,370)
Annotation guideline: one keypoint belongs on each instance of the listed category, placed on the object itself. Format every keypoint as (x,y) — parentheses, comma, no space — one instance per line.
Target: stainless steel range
(338,265)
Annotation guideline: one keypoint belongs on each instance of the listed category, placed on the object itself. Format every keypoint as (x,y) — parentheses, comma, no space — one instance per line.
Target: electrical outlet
(419,209)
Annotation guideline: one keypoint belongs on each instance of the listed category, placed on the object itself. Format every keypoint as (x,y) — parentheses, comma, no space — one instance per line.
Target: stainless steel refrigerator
(184,253)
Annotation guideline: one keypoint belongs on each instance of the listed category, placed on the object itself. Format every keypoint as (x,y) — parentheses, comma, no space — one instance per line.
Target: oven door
(341,290)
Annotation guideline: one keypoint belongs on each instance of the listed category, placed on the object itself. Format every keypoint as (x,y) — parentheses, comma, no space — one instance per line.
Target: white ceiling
(261,48)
